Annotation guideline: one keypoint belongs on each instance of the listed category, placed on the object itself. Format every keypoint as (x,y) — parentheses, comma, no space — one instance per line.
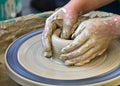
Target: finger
(56,15)
(92,53)
(80,28)
(86,61)
(50,26)
(46,38)
(47,47)
(78,41)
(78,52)
(67,29)
(68,23)
(102,51)
(89,55)
(103,54)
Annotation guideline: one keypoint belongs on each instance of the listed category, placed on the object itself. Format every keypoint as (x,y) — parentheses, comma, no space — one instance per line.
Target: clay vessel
(58,43)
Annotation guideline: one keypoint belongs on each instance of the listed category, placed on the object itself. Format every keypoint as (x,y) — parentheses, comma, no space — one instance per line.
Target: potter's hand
(54,22)
(92,38)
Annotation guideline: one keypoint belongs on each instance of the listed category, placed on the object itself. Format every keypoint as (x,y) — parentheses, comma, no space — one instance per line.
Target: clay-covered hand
(92,38)
(63,19)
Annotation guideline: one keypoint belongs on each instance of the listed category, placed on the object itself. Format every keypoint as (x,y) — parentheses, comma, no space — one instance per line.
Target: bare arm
(84,6)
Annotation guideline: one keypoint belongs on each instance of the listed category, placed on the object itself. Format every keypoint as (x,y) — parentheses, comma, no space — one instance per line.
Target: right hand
(64,19)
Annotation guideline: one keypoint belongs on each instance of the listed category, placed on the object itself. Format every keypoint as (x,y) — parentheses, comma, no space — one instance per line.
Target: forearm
(84,6)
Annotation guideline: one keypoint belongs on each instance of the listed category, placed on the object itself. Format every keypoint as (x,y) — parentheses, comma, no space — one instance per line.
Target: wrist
(115,23)
(117,26)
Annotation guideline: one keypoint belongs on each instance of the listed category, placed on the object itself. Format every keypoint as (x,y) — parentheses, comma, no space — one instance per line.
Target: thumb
(68,23)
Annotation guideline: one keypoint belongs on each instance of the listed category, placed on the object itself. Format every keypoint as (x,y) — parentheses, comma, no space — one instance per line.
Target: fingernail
(82,62)
(63,50)
(63,57)
(48,54)
(73,36)
(78,64)
(68,62)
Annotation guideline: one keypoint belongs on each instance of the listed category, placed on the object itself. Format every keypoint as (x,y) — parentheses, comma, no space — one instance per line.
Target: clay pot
(58,43)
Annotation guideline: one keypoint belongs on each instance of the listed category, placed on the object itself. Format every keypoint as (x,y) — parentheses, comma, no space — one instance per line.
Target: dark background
(37,6)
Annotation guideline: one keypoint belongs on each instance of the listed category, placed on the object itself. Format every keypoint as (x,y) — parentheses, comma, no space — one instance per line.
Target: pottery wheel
(26,64)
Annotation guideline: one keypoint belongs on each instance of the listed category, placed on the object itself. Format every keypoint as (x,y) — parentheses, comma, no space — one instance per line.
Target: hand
(92,38)
(61,18)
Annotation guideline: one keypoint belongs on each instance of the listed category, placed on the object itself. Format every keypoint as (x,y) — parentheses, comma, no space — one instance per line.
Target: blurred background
(14,8)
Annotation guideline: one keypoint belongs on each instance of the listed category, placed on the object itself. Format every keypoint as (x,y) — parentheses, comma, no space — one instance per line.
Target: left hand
(92,38)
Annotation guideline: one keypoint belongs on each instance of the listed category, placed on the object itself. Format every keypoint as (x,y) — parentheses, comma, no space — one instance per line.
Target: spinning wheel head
(25,62)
